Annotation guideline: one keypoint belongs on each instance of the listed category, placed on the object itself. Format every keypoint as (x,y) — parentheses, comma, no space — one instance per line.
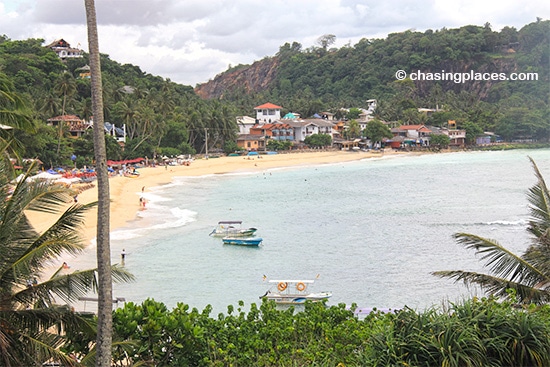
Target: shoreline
(125,192)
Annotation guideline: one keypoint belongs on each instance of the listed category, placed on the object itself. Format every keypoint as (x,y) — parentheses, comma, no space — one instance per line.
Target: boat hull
(297,299)
(242,241)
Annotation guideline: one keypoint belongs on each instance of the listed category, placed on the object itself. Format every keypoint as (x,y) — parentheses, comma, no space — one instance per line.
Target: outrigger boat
(240,241)
(294,292)
(232,228)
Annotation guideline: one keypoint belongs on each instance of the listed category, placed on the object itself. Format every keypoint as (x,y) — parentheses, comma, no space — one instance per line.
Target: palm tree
(32,324)
(66,87)
(14,112)
(105,286)
(528,276)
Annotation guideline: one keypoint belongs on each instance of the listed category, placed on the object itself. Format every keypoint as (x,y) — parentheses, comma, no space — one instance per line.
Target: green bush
(477,332)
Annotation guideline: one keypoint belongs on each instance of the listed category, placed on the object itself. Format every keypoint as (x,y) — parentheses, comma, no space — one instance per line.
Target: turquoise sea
(372,231)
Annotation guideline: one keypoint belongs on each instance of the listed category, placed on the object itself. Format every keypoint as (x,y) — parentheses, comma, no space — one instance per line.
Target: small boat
(247,241)
(232,228)
(294,292)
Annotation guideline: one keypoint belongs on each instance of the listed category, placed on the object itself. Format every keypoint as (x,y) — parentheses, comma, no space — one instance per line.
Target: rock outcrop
(249,78)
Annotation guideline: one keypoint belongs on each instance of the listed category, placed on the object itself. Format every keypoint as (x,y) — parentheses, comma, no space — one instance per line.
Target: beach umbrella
(45,176)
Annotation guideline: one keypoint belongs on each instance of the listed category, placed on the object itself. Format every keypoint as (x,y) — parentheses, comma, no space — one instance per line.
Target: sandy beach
(125,192)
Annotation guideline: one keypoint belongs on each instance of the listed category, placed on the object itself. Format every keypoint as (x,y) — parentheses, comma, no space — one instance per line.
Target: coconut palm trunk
(105,289)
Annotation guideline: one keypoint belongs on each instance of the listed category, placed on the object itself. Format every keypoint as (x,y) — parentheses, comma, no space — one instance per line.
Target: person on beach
(123,255)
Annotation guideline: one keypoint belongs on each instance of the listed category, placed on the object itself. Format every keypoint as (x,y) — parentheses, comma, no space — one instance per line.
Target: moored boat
(232,228)
(294,292)
(240,241)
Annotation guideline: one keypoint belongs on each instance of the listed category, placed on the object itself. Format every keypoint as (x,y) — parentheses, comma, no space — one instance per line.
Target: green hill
(165,118)
(309,80)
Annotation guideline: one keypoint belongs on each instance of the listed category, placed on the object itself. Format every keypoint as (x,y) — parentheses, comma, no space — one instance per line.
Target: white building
(64,50)
(245,123)
(268,112)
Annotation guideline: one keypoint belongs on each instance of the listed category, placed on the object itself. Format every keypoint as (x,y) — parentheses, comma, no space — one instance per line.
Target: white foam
(507,223)
(180,218)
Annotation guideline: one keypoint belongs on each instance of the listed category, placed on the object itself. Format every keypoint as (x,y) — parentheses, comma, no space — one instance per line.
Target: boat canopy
(292,281)
(230,222)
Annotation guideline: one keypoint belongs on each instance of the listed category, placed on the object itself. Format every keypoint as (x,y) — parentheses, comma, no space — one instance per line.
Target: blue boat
(248,241)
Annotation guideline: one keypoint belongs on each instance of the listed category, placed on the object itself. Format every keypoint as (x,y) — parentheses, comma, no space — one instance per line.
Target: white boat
(232,228)
(294,292)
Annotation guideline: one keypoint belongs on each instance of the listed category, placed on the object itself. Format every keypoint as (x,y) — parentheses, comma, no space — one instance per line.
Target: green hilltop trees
(165,118)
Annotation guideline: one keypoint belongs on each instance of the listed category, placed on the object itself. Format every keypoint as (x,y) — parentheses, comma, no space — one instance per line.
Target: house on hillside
(77,126)
(84,72)
(329,116)
(119,134)
(64,50)
(268,112)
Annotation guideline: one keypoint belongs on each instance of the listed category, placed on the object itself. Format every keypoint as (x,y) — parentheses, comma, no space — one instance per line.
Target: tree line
(161,117)
(309,80)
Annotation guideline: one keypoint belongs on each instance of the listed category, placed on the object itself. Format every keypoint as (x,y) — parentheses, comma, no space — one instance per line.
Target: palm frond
(498,286)
(61,237)
(69,287)
(539,204)
(500,261)
(36,335)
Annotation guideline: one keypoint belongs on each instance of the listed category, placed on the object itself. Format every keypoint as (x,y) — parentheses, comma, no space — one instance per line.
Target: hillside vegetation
(310,80)
(165,118)
(161,117)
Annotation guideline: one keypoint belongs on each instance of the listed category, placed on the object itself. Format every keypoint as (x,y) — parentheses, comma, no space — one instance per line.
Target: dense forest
(166,118)
(161,117)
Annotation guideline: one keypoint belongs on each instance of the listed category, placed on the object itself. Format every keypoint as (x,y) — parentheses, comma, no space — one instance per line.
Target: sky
(191,41)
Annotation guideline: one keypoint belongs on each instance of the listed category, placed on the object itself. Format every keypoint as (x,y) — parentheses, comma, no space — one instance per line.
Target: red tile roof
(268,106)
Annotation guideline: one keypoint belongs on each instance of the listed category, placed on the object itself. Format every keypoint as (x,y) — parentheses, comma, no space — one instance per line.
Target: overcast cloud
(191,41)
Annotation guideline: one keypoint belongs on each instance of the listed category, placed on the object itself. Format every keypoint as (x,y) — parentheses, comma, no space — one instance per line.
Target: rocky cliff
(250,78)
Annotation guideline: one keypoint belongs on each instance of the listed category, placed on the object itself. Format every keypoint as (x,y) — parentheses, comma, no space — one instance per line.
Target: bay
(369,231)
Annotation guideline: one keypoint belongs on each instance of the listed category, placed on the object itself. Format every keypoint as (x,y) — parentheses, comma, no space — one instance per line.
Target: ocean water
(369,231)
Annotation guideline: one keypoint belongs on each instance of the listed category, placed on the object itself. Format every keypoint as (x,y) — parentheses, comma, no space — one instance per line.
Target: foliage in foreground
(527,275)
(476,332)
(33,324)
